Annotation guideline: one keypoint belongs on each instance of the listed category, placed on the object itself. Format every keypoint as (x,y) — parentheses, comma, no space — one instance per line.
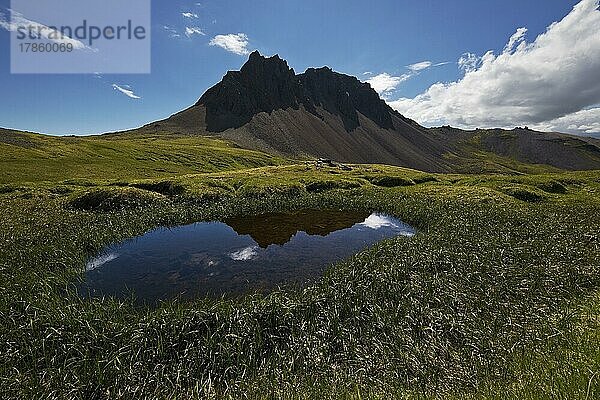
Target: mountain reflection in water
(280,228)
(234,257)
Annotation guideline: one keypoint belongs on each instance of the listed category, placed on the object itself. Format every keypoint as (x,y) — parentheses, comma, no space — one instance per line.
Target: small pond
(235,256)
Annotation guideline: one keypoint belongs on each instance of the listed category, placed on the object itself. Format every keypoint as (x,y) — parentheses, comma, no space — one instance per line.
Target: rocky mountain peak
(266,84)
(265,69)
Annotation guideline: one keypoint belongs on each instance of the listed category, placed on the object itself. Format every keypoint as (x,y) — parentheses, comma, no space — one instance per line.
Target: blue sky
(354,37)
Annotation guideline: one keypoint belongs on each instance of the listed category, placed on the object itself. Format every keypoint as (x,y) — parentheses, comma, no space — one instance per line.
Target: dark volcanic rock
(269,84)
(344,95)
(263,84)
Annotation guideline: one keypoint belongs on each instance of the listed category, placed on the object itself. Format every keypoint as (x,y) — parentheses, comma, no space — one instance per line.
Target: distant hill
(32,157)
(266,106)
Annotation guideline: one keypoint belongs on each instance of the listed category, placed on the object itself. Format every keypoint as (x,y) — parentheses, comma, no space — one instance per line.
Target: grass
(496,297)
(28,157)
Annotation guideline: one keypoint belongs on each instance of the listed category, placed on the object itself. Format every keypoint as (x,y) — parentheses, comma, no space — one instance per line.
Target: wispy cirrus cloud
(420,66)
(172,32)
(19,21)
(193,30)
(552,83)
(423,65)
(188,32)
(126,90)
(236,43)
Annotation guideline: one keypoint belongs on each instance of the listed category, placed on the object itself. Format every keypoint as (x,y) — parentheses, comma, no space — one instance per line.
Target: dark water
(236,256)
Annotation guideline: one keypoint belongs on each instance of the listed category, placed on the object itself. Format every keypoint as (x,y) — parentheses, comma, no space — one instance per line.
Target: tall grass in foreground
(486,301)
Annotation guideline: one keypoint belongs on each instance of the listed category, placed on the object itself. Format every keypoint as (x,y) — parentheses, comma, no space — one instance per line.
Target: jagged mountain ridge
(266,106)
(269,84)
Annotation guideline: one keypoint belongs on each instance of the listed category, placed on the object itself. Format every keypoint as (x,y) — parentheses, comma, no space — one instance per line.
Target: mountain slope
(266,106)
(31,157)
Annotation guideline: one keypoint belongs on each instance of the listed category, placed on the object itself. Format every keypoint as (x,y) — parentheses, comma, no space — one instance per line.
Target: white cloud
(172,31)
(423,65)
(469,62)
(99,261)
(189,31)
(547,81)
(585,121)
(377,221)
(126,90)
(244,254)
(517,37)
(190,15)
(420,66)
(193,30)
(48,33)
(234,42)
(385,83)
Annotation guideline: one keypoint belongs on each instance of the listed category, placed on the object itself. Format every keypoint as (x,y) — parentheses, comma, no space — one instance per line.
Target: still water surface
(235,256)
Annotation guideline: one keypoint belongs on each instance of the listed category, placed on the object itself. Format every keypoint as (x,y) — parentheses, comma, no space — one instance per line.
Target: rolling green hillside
(29,157)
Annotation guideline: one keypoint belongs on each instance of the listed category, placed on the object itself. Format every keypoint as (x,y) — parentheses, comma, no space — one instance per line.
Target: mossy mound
(113,199)
(391,181)
(167,188)
(524,193)
(425,178)
(5,189)
(553,187)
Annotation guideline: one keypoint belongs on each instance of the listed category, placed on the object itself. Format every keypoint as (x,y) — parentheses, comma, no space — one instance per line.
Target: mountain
(279,229)
(266,106)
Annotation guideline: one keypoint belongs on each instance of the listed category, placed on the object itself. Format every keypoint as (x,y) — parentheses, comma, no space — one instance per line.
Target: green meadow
(496,297)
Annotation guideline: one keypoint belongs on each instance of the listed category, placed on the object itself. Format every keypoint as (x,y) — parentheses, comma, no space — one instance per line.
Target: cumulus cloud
(190,15)
(385,83)
(236,43)
(469,62)
(126,90)
(378,221)
(585,121)
(244,254)
(517,37)
(193,30)
(547,82)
